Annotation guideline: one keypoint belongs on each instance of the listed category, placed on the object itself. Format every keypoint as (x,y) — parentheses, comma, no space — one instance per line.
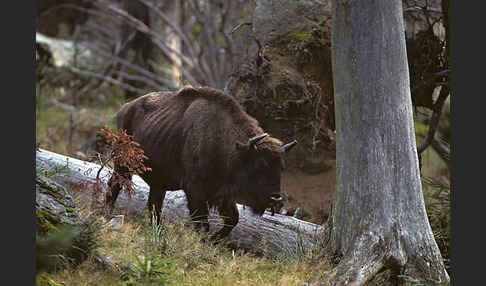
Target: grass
(432,164)
(174,254)
(55,124)
(437,202)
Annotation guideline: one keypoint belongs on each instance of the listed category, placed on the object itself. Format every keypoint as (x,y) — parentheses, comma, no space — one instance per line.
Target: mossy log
(272,234)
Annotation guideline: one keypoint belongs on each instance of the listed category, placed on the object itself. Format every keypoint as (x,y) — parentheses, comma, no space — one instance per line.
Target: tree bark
(269,234)
(378,228)
(175,43)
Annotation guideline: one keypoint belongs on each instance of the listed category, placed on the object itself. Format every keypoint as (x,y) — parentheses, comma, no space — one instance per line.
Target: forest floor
(139,253)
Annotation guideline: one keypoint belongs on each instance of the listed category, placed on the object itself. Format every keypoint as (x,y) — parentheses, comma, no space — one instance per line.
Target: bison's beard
(259,205)
(258,210)
(257,202)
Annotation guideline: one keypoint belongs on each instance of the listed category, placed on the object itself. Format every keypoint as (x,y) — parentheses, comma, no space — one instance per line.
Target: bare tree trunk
(175,42)
(378,228)
(270,234)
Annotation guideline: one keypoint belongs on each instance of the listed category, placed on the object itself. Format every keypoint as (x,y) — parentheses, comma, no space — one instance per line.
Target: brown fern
(124,151)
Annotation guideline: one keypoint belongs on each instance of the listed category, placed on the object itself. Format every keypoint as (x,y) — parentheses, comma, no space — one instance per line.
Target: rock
(64,51)
(54,206)
(63,236)
(116,222)
(272,19)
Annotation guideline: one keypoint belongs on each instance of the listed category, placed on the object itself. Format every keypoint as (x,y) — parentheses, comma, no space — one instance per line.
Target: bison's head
(258,172)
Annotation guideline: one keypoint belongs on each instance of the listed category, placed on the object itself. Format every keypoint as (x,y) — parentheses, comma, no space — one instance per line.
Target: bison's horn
(289,146)
(255,139)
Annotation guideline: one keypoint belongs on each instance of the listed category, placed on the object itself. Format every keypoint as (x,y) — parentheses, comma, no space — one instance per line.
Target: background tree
(133,40)
(428,41)
(60,18)
(184,42)
(378,229)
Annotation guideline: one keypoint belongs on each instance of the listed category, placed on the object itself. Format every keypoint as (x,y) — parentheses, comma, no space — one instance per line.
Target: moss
(46,221)
(315,35)
(50,190)
(54,192)
(305,45)
(300,34)
(44,279)
(420,128)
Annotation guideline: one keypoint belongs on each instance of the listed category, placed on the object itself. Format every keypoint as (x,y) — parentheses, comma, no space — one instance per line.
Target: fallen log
(273,234)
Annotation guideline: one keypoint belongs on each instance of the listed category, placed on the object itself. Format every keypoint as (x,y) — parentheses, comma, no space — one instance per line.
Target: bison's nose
(276,197)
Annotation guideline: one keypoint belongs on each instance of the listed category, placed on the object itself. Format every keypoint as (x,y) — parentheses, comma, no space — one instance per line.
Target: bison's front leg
(198,210)
(114,186)
(113,191)
(156,198)
(230,215)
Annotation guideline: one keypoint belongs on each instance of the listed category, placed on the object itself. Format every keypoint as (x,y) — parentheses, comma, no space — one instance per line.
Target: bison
(200,139)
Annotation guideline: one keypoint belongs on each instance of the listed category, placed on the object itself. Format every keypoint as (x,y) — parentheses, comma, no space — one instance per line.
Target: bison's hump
(188,91)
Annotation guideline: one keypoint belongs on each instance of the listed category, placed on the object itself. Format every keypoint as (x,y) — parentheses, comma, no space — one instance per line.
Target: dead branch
(166,49)
(434,118)
(106,78)
(442,150)
(152,77)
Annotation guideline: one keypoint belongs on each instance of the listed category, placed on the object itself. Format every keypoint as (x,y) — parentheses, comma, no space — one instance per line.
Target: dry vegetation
(174,254)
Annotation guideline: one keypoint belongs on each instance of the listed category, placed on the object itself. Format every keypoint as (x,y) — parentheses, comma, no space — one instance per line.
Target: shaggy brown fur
(197,139)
